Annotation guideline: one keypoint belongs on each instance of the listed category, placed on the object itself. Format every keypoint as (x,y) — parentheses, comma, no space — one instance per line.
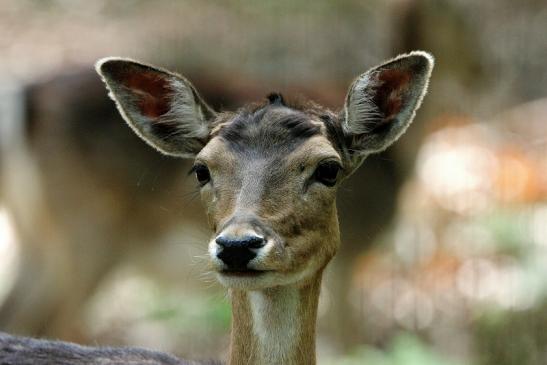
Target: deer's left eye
(202,174)
(327,173)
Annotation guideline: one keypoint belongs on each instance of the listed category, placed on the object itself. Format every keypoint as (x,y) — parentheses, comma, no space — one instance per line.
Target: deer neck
(275,325)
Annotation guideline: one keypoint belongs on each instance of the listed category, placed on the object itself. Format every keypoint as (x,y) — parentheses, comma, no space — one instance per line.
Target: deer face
(268,173)
(269,177)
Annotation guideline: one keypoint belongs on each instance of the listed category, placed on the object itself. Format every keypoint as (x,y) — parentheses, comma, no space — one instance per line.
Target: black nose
(236,252)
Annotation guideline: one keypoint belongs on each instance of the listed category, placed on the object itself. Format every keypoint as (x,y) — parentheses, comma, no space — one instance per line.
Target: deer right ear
(163,108)
(381,103)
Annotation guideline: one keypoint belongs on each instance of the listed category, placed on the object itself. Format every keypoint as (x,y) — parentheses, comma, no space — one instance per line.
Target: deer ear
(381,103)
(163,108)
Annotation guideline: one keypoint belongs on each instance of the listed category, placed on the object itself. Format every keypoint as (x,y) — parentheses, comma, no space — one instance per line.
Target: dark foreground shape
(27,351)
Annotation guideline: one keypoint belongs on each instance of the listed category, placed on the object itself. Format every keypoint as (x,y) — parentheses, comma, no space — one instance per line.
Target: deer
(267,175)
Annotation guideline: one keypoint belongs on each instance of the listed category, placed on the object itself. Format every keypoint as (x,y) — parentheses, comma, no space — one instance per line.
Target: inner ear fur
(162,107)
(382,102)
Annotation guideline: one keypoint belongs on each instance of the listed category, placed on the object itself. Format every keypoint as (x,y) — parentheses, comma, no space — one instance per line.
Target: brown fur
(261,180)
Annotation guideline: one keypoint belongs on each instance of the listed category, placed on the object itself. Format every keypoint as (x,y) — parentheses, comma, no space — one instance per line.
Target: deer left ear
(163,108)
(382,102)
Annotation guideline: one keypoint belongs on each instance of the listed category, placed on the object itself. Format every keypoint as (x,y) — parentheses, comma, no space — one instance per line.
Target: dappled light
(468,240)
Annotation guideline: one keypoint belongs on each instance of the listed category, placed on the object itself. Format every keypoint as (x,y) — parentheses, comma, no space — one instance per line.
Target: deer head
(268,173)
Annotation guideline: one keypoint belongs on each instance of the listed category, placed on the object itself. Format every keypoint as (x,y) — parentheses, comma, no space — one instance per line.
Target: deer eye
(202,174)
(327,172)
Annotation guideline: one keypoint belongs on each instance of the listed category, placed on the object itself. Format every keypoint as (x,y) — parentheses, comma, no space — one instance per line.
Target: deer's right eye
(327,173)
(202,174)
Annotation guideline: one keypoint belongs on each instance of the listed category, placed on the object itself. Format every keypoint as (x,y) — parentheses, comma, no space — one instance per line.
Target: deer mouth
(243,272)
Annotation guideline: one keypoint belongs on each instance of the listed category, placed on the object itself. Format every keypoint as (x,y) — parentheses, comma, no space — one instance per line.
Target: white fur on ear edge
(187,115)
(360,112)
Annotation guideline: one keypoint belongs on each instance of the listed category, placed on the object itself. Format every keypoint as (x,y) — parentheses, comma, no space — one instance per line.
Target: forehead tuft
(271,125)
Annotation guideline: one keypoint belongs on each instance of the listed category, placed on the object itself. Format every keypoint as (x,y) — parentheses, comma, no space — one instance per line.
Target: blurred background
(444,256)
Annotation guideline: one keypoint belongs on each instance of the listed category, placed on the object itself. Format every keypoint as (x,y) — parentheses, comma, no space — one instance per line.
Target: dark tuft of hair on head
(276,99)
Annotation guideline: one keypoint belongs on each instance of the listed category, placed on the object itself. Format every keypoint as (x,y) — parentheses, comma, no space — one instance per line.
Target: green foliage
(511,337)
(188,312)
(509,229)
(405,349)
